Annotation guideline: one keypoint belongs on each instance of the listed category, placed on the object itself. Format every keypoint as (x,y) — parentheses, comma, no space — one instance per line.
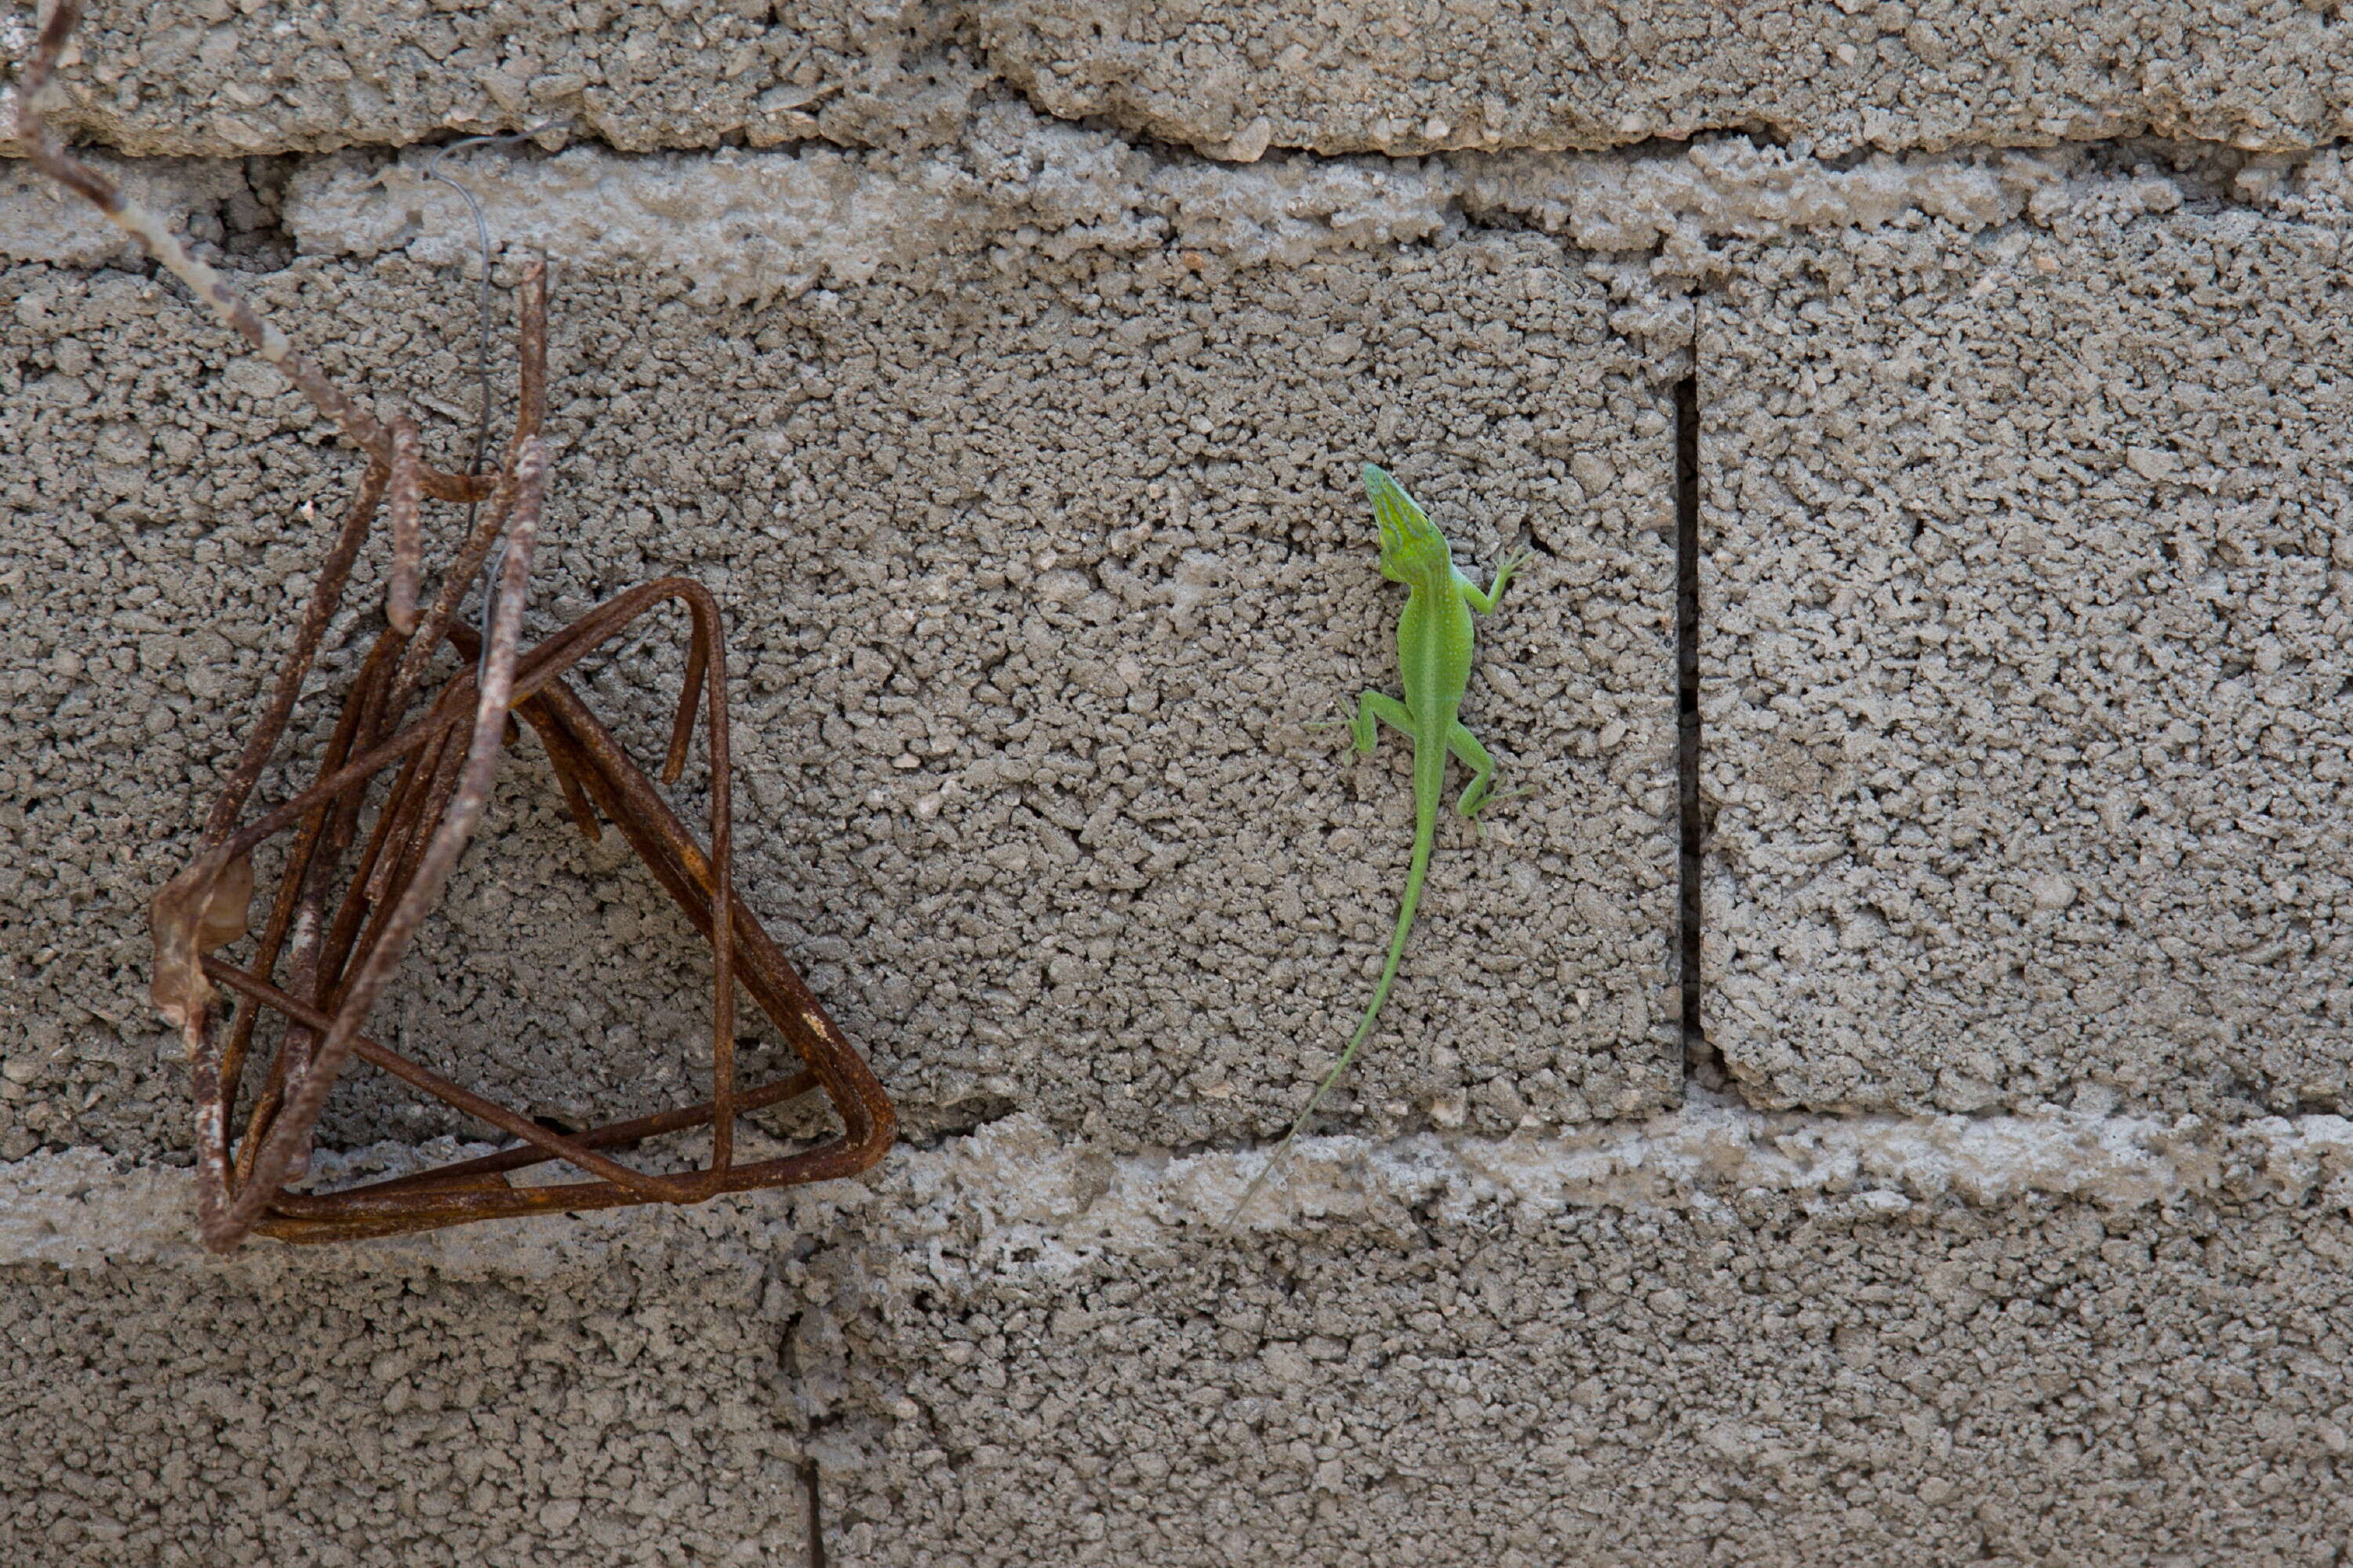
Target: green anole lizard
(1433,642)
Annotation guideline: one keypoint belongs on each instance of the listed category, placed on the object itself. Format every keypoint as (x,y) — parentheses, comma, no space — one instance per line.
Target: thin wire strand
(482,295)
(490,567)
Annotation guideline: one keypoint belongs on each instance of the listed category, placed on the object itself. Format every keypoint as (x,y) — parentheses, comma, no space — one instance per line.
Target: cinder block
(1377,76)
(1777,1338)
(1393,77)
(316,75)
(1036,559)
(1062,1356)
(2027,564)
(258,1413)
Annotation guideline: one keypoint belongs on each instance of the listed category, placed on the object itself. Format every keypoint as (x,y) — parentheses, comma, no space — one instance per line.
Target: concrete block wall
(1957,398)
(2031,671)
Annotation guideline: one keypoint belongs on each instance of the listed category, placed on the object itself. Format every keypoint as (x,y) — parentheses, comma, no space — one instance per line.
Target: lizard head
(1412,549)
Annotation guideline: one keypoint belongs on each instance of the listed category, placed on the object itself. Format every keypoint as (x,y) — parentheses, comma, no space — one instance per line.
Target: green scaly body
(1434,637)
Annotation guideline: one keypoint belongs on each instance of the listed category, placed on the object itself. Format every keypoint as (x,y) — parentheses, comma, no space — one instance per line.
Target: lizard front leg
(1484,603)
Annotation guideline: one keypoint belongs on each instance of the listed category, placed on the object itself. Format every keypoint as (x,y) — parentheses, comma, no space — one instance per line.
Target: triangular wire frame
(596,776)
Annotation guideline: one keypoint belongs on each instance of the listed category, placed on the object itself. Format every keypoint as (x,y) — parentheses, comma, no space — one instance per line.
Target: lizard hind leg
(1373,709)
(1479,794)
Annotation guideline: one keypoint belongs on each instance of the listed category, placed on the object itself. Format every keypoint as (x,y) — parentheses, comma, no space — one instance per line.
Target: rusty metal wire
(333,941)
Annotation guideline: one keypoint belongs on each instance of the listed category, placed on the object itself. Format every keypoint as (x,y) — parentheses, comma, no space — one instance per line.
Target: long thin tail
(1424,833)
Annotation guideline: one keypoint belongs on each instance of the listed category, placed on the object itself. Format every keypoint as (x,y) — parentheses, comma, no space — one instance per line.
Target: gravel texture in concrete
(1769,1387)
(1022,452)
(1775,1339)
(2028,576)
(1377,76)
(224,81)
(339,1410)
(1731,1371)
(1397,76)
(1036,569)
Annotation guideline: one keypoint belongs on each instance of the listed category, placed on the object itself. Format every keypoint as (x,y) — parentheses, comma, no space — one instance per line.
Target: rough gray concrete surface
(1741,1365)
(1021,453)
(207,198)
(1400,78)
(230,81)
(1036,569)
(267,1413)
(1715,1336)
(1381,76)
(2029,577)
